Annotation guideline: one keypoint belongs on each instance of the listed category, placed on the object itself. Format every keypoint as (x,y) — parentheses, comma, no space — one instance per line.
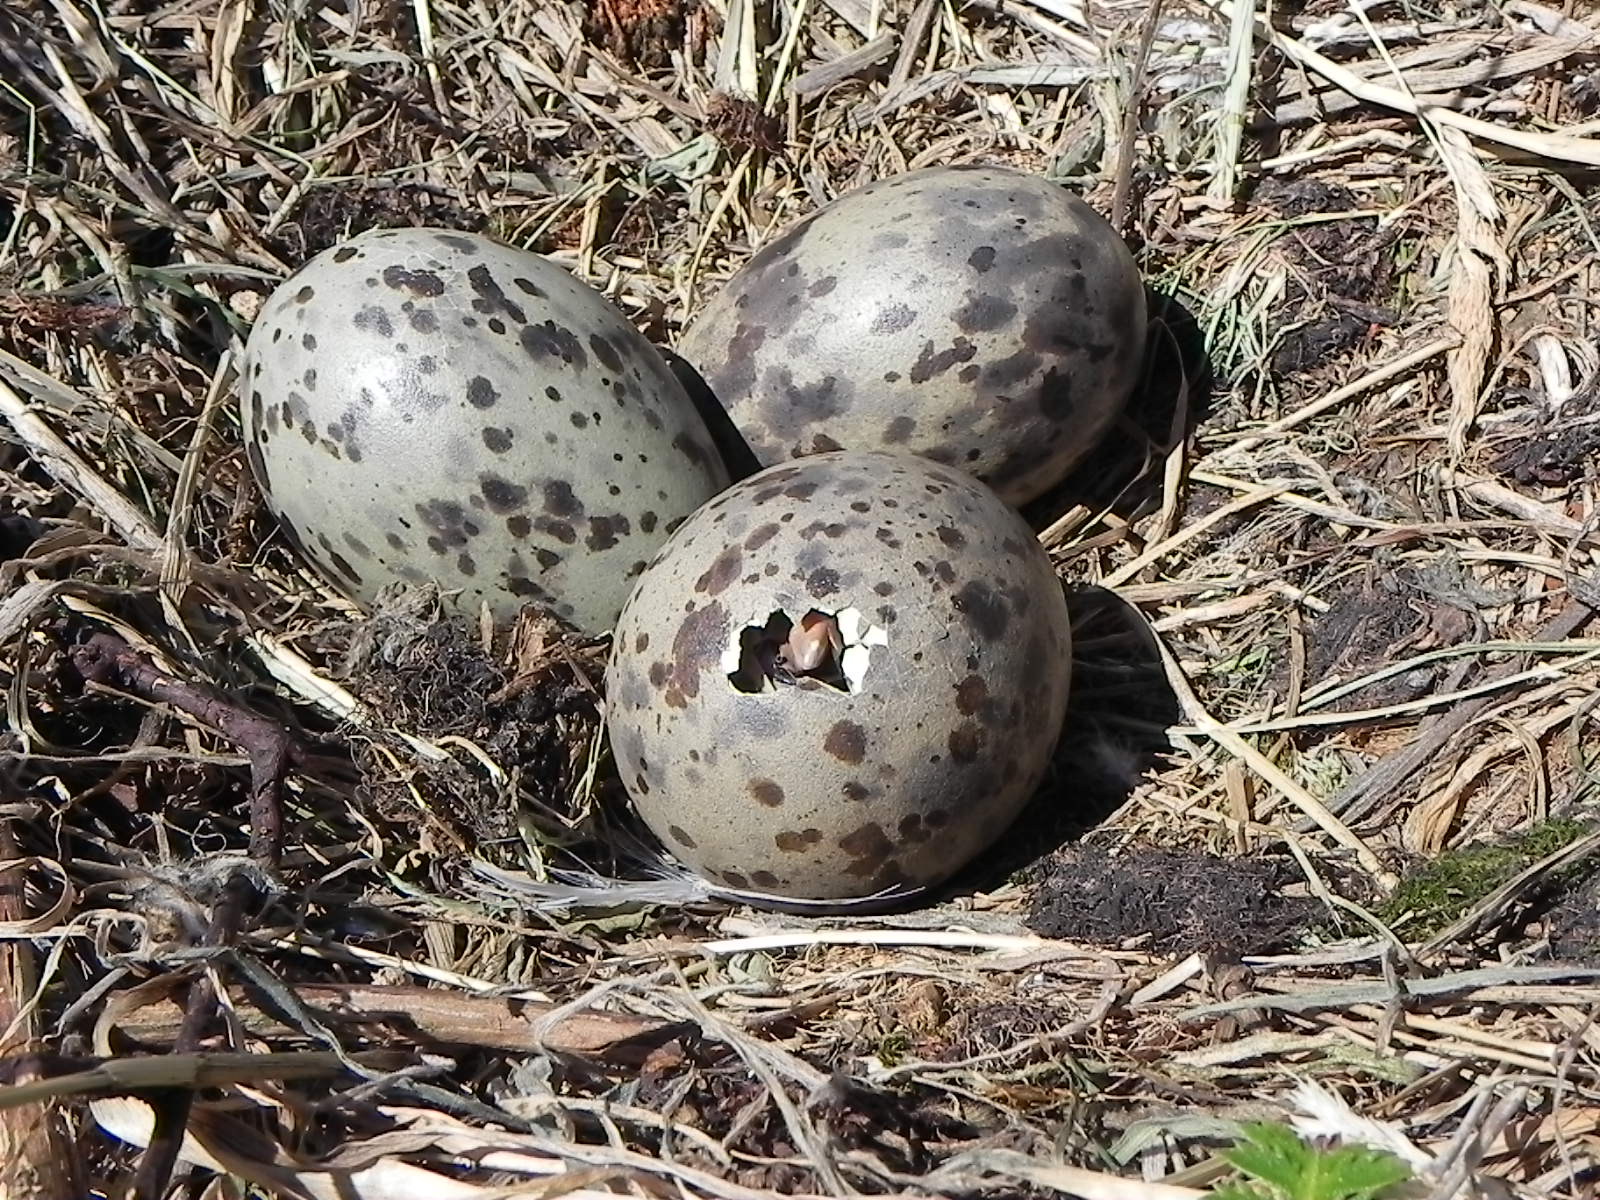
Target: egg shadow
(1123,473)
(1119,710)
(725,436)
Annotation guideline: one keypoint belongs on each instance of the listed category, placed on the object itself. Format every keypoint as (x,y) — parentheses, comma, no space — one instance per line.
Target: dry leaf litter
(1317,847)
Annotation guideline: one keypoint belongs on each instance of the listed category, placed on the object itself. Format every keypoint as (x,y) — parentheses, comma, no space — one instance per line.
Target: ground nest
(307,901)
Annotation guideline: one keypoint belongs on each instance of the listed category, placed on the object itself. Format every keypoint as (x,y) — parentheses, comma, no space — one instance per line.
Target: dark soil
(530,702)
(1315,342)
(1341,274)
(990,1028)
(1371,616)
(740,124)
(1172,902)
(1562,453)
(1378,616)
(901,1129)
(1574,925)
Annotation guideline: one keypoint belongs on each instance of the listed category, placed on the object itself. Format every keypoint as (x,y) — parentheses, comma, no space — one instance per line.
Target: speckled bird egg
(843,675)
(422,404)
(978,316)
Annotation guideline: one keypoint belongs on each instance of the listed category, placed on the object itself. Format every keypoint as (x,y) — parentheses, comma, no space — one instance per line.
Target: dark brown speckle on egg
(381,355)
(955,713)
(1007,337)
(766,793)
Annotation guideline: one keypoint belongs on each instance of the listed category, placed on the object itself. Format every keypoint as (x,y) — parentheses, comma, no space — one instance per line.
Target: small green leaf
(1239,1191)
(1359,1173)
(1271,1155)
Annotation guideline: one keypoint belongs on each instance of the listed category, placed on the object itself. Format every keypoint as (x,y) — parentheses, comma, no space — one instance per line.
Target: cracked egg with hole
(842,677)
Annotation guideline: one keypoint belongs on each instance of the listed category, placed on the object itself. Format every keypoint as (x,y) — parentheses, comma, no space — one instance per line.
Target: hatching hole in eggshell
(835,649)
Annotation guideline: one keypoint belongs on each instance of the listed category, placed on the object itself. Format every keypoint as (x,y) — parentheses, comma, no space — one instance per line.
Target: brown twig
(432,1015)
(108,661)
(170,1108)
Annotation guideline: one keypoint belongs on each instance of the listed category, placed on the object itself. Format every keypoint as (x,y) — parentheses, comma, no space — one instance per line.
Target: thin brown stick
(437,1015)
(107,660)
(271,749)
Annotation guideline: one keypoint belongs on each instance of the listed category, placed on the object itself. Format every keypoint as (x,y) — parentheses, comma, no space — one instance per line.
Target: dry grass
(1364,539)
